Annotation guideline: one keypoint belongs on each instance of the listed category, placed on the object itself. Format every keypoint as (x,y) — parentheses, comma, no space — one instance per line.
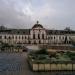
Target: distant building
(36,35)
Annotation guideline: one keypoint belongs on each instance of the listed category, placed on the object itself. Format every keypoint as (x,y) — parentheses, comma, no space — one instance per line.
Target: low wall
(52,67)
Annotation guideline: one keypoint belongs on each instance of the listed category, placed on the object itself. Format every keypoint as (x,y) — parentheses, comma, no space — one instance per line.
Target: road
(16,64)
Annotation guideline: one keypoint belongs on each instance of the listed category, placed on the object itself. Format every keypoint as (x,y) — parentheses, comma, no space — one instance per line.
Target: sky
(52,14)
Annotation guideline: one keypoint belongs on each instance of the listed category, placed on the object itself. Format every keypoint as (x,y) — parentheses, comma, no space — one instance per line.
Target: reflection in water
(16,64)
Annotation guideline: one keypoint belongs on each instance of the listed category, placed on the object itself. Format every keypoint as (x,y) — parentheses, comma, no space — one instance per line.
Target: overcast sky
(52,14)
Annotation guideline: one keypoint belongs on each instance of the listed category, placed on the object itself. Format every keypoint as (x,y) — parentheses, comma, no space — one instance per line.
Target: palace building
(36,35)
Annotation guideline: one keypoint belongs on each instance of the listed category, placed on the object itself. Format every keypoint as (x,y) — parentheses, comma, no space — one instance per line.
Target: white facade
(37,35)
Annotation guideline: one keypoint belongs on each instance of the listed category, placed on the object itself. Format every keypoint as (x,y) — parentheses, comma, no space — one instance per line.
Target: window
(63,37)
(19,37)
(65,40)
(33,36)
(29,42)
(39,42)
(18,32)
(38,36)
(48,37)
(42,36)
(9,37)
(4,37)
(25,37)
(24,32)
(34,42)
(59,37)
(13,37)
(28,37)
(0,37)
(51,37)
(16,37)
(54,37)
(22,37)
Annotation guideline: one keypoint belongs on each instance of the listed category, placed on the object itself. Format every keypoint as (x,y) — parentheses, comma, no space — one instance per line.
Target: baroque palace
(36,35)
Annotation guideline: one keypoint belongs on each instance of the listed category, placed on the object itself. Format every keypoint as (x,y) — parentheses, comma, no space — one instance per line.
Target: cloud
(12,16)
(25,13)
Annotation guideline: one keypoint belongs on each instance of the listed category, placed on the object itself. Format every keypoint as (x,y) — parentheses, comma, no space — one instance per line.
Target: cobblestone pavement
(16,64)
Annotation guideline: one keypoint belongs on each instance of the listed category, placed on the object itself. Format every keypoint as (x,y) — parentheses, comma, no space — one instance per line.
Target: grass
(42,56)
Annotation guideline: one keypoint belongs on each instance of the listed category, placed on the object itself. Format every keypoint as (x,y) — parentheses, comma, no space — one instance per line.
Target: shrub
(42,51)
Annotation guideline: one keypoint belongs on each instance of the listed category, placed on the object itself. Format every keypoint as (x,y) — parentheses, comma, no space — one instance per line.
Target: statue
(37,22)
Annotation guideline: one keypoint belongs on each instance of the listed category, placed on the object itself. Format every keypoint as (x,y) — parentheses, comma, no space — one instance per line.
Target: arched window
(63,37)
(0,37)
(29,42)
(34,42)
(12,37)
(25,37)
(51,37)
(18,32)
(5,37)
(9,37)
(39,42)
(33,36)
(59,37)
(19,37)
(15,37)
(38,36)
(22,37)
(54,37)
(28,37)
(42,36)
(65,40)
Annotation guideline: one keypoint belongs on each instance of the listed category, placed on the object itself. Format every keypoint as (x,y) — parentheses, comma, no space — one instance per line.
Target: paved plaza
(16,64)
